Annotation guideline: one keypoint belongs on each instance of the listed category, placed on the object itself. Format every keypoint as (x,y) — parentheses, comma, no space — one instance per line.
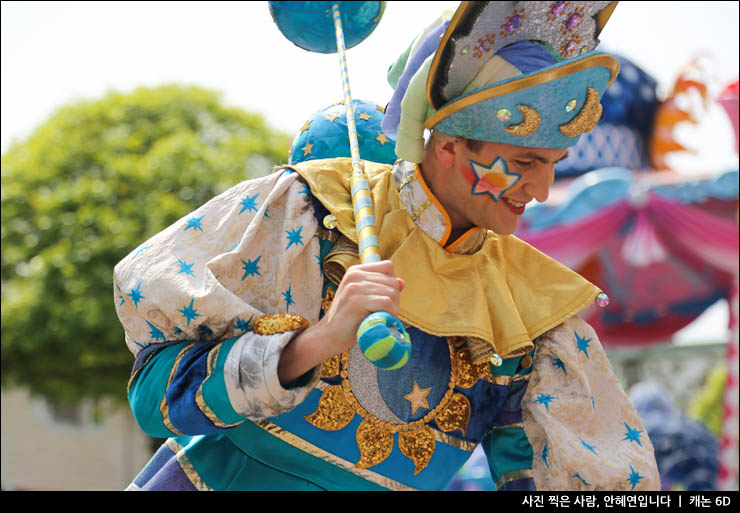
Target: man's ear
(446,151)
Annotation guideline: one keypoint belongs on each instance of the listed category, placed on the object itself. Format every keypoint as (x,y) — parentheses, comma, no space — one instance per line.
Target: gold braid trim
(514,476)
(279,323)
(187,466)
(202,405)
(164,408)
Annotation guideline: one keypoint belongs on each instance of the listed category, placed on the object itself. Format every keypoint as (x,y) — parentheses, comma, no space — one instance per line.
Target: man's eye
(523,163)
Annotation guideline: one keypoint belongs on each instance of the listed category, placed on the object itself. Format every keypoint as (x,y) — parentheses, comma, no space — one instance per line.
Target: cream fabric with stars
(248,252)
(584,431)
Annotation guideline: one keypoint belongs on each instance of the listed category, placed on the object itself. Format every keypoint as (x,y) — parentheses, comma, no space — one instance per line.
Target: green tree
(86,188)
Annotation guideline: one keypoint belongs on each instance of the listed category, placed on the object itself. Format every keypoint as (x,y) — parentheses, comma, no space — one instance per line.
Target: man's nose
(538,184)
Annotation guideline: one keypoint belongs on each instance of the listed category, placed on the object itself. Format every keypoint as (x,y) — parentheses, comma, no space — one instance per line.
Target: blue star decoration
(185,268)
(560,365)
(155,333)
(249,203)
(578,476)
(497,169)
(205,331)
(318,259)
(194,223)
(545,399)
(267,210)
(140,345)
(632,434)
(589,447)
(120,296)
(545,454)
(251,267)
(176,331)
(305,191)
(135,295)
(288,297)
(582,343)
(634,477)
(243,325)
(294,237)
(189,312)
(142,248)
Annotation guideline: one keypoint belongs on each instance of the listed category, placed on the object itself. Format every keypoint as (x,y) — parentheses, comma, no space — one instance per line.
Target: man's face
(491,186)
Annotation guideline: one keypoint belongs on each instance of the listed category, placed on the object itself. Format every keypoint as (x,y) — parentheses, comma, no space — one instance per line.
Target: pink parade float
(662,244)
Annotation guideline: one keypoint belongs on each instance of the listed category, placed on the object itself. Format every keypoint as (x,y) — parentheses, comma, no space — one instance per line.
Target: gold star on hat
(331,117)
(307,148)
(382,139)
(364,116)
(418,397)
(305,126)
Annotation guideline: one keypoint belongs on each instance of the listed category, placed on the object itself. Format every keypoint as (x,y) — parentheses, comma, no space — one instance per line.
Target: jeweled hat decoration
(324,135)
(520,73)
(546,108)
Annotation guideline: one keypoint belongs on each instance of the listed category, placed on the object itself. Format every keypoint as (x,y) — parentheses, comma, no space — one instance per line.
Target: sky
(54,53)
(57,52)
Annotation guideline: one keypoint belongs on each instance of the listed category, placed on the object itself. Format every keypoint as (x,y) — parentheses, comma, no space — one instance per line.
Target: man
(243,315)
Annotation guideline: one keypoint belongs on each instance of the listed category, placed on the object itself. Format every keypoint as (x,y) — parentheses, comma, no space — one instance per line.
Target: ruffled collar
(427,212)
(506,293)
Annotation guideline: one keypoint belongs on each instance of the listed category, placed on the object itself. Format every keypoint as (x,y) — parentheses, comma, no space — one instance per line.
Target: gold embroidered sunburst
(375,437)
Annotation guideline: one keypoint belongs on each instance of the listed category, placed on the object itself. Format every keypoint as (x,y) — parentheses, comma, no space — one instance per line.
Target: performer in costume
(242,315)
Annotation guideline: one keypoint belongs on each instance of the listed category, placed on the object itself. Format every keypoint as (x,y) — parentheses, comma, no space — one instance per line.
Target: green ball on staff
(384,341)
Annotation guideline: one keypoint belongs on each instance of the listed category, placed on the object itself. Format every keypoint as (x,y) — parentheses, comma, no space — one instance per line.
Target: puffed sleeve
(584,431)
(221,292)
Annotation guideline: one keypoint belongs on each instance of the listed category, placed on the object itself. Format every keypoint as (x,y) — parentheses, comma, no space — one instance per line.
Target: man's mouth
(514,203)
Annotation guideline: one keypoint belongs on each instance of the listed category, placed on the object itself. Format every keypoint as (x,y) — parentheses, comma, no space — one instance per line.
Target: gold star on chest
(382,139)
(418,397)
(364,116)
(331,117)
(307,148)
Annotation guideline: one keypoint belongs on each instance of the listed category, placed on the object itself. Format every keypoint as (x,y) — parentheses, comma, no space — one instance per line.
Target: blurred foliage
(85,189)
(707,406)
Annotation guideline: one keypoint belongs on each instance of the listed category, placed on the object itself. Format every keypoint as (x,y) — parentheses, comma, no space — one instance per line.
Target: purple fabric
(163,472)
(526,56)
(393,111)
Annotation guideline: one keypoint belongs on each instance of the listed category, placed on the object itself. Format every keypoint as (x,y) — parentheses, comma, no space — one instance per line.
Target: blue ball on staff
(309,25)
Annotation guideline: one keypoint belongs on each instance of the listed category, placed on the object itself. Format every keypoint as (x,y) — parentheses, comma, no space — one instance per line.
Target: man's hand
(364,289)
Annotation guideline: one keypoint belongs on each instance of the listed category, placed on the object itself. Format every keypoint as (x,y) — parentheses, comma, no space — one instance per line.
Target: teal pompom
(384,341)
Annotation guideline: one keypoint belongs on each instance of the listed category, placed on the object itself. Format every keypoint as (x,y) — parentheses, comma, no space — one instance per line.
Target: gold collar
(506,293)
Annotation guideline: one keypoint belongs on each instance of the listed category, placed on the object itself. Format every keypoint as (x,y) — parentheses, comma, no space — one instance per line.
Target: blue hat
(325,135)
(519,73)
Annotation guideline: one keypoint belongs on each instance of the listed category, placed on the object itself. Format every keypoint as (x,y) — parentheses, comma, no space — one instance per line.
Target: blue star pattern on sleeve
(142,248)
(545,399)
(578,476)
(294,237)
(194,223)
(582,343)
(155,333)
(120,296)
(140,345)
(135,295)
(243,325)
(267,214)
(545,454)
(589,447)
(288,298)
(251,267)
(634,477)
(189,312)
(185,268)
(560,365)
(633,434)
(249,203)
(305,190)
(205,331)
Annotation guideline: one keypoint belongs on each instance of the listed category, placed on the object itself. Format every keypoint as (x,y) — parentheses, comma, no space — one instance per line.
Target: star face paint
(493,179)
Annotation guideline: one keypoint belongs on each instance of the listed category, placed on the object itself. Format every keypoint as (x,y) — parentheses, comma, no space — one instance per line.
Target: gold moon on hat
(529,124)
(586,120)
